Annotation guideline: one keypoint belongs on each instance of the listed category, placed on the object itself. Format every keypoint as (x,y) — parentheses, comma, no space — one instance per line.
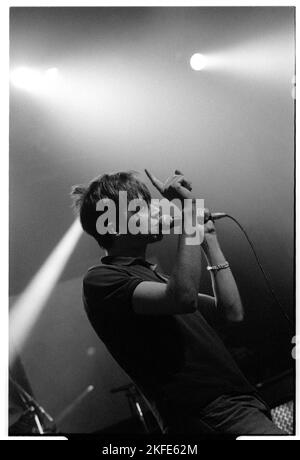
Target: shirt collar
(122,260)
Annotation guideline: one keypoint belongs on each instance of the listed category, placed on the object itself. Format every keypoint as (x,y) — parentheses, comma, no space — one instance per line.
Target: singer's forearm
(224,285)
(183,285)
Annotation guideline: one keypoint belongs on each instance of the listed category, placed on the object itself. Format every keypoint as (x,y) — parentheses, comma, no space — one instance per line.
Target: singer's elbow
(236,318)
(232,313)
(187,302)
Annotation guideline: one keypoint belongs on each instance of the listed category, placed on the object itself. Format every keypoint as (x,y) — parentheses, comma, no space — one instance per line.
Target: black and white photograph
(152,263)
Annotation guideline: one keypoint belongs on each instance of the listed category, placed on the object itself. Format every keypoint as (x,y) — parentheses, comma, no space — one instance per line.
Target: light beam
(26,310)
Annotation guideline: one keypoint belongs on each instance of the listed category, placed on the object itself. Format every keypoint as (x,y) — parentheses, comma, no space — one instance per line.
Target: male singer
(160,329)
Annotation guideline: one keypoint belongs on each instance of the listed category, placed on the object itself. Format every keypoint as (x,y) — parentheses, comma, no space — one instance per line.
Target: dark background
(128,99)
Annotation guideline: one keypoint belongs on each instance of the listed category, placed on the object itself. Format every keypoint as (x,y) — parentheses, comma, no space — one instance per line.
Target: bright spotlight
(33,80)
(198,61)
(26,78)
(51,74)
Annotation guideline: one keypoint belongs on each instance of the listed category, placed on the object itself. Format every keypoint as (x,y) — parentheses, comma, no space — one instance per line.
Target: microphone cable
(265,275)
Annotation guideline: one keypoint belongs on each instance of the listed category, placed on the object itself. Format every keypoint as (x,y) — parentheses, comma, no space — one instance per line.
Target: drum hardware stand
(133,395)
(33,408)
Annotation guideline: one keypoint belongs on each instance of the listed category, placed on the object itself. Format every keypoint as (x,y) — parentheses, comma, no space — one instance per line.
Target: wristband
(218,267)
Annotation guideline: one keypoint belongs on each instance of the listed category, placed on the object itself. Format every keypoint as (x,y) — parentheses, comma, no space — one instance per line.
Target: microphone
(169,221)
(214,216)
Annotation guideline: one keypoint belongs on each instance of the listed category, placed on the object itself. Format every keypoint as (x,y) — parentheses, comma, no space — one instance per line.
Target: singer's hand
(175,187)
(210,236)
(209,228)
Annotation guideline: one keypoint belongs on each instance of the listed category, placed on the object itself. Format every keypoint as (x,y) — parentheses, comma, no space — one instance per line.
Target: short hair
(85,199)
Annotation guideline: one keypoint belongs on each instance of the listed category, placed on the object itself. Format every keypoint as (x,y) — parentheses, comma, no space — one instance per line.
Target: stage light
(26,78)
(198,61)
(51,74)
(26,310)
(34,80)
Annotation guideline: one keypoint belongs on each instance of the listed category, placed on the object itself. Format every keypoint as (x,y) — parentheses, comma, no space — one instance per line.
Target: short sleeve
(110,289)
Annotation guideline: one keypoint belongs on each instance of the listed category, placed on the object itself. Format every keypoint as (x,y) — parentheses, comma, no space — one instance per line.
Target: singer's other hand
(209,228)
(175,187)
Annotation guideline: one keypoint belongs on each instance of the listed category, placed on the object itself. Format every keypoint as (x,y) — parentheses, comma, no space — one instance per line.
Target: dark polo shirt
(178,361)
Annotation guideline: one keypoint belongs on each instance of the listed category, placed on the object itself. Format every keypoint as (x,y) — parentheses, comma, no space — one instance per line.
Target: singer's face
(144,224)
